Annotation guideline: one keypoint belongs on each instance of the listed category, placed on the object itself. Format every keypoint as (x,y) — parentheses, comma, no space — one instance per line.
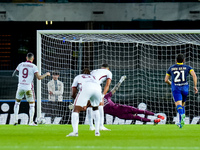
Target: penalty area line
(102,147)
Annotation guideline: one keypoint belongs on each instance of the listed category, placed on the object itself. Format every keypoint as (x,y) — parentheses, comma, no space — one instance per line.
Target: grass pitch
(121,137)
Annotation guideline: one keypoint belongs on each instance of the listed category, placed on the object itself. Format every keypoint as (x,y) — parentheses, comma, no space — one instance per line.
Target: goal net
(143,56)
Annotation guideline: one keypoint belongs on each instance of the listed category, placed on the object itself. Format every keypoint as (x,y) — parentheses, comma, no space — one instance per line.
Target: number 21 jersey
(26,74)
(179,73)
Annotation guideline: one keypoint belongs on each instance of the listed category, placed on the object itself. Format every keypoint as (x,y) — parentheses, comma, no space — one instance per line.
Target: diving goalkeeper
(124,111)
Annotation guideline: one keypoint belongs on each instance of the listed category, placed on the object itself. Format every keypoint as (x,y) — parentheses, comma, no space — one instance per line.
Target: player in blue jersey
(180,86)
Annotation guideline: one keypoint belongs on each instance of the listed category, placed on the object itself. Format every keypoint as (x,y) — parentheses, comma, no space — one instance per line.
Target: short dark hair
(55,72)
(105,65)
(29,55)
(180,58)
(86,71)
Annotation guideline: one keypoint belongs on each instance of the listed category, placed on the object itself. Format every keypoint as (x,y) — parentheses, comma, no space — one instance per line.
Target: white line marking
(101,147)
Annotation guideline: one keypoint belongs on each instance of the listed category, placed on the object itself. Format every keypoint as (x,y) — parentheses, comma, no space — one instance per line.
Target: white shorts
(29,94)
(89,91)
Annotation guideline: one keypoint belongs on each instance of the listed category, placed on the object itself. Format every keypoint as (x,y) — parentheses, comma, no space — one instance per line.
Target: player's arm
(167,79)
(40,77)
(106,88)
(74,92)
(118,85)
(73,95)
(194,80)
(15,73)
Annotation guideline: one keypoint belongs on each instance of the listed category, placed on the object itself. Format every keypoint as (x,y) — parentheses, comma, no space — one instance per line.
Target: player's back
(101,75)
(26,74)
(82,79)
(179,73)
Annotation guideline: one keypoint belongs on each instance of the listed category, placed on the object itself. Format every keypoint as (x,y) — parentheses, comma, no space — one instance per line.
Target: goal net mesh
(143,58)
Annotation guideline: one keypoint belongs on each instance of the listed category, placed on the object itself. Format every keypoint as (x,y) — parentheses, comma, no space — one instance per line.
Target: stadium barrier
(7,115)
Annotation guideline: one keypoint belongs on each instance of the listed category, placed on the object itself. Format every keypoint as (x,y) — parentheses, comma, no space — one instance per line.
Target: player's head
(180,58)
(86,71)
(105,66)
(30,57)
(55,74)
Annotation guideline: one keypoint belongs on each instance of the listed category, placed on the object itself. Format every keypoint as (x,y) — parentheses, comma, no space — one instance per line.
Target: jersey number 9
(25,73)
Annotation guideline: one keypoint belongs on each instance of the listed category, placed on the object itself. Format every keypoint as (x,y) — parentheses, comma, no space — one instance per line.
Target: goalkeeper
(124,111)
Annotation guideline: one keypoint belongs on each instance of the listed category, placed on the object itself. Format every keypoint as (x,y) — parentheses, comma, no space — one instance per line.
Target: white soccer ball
(41,120)
(142,106)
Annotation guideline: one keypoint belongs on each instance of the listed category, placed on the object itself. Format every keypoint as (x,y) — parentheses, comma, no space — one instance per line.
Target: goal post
(39,70)
(142,55)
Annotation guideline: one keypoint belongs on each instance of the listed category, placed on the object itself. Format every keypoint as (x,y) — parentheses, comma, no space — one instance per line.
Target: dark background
(18,38)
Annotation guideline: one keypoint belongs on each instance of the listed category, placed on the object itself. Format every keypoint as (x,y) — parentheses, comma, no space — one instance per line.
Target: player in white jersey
(26,71)
(89,89)
(103,74)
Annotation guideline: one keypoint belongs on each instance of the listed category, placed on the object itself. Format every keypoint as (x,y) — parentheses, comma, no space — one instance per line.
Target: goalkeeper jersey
(121,111)
(26,74)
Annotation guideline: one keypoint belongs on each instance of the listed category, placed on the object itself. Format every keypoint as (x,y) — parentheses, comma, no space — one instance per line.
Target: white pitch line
(102,147)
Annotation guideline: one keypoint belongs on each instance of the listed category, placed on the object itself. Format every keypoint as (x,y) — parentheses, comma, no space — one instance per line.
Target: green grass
(127,137)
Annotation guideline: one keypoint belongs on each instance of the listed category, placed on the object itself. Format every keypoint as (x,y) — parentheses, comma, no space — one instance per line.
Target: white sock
(16,111)
(97,120)
(31,112)
(156,115)
(75,121)
(152,119)
(89,114)
(101,112)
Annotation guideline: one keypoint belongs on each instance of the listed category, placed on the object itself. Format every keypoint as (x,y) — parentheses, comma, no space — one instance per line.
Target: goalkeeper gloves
(71,106)
(122,78)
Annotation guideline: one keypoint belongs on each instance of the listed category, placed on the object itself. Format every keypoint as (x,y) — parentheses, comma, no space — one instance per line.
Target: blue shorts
(180,95)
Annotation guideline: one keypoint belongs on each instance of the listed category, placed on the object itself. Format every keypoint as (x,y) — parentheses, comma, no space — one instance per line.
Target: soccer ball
(41,120)
(142,106)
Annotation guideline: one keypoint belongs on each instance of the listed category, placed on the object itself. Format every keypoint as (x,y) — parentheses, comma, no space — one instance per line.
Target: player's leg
(178,103)
(101,111)
(146,112)
(181,113)
(79,102)
(19,95)
(31,100)
(75,120)
(179,108)
(183,106)
(16,111)
(131,116)
(184,98)
(97,120)
(138,111)
(89,112)
(185,93)
(95,100)
(155,121)
(31,113)
(133,110)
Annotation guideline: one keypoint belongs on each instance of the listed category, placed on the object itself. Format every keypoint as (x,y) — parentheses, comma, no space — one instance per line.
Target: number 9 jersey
(26,74)
(179,73)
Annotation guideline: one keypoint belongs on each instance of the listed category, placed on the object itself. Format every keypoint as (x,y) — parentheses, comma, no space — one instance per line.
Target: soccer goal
(142,55)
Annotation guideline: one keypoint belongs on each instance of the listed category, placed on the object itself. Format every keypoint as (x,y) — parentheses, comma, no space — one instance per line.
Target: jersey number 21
(178,74)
